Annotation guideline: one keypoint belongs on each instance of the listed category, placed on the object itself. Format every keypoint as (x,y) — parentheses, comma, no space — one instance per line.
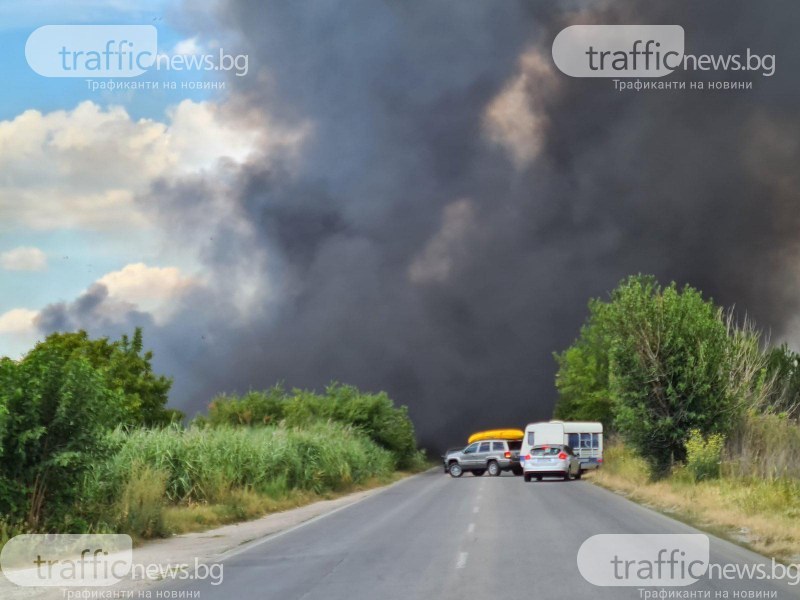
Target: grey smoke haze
(428,246)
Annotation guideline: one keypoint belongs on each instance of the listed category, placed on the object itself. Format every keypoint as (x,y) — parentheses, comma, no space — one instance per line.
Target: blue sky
(82,250)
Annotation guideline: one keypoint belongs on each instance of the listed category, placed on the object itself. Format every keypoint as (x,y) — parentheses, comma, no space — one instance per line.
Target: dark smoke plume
(459,200)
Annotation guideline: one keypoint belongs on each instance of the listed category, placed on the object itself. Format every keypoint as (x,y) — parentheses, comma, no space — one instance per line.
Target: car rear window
(546,451)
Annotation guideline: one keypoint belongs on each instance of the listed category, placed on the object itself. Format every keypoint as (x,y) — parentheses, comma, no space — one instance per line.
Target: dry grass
(242,505)
(761,514)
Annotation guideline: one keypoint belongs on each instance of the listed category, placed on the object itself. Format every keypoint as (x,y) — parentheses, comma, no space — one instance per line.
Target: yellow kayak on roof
(497,434)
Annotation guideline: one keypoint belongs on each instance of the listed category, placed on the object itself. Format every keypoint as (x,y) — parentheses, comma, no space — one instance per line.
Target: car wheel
(494,468)
(478,473)
(527,477)
(456,470)
(538,478)
(516,471)
(579,474)
(567,476)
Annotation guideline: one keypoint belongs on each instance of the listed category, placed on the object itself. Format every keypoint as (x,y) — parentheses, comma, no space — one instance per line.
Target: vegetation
(373,414)
(655,363)
(703,415)
(704,455)
(55,405)
(761,513)
(89,445)
(151,470)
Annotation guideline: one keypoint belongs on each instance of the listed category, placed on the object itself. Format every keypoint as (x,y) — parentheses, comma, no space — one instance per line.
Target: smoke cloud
(456,201)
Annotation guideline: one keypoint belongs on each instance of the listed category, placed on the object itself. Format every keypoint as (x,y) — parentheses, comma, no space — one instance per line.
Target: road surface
(433,537)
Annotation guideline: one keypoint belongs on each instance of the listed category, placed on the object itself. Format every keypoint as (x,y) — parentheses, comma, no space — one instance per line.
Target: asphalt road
(434,537)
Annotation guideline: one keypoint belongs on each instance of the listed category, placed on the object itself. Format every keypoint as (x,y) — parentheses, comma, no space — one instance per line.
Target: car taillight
(507,455)
(562,455)
(527,457)
(599,460)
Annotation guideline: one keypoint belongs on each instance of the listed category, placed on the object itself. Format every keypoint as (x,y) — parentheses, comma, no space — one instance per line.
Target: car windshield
(546,451)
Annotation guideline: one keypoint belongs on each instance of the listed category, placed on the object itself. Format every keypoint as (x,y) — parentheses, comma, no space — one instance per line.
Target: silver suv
(494,456)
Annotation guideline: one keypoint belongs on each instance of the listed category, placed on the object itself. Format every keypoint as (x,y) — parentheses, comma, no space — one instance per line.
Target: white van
(584,437)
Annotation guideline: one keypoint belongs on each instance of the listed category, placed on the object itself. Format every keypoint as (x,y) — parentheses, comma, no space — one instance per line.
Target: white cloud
(440,255)
(152,289)
(83,168)
(24,258)
(18,332)
(188,46)
(515,119)
(17,321)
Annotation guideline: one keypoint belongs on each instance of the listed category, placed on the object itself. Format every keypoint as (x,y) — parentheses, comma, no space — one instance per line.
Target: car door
(482,456)
(469,454)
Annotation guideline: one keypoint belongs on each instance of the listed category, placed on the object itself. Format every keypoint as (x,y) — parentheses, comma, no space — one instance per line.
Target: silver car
(552,460)
(492,456)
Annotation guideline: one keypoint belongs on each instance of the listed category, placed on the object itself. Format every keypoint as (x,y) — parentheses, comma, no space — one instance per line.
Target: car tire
(538,478)
(567,476)
(494,468)
(579,474)
(455,470)
(478,473)
(516,471)
(526,477)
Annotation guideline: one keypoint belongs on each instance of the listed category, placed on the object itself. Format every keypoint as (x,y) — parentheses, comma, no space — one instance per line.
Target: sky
(407,197)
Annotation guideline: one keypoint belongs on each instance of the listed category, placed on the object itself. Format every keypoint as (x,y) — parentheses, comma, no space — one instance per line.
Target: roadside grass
(163,481)
(761,514)
(245,505)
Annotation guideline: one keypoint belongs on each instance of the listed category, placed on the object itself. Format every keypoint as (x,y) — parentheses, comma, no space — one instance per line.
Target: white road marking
(462,560)
(471,528)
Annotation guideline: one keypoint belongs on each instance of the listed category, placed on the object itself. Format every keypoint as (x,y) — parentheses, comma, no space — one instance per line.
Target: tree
(670,368)
(126,369)
(582,377)
(56,407)
(657,363)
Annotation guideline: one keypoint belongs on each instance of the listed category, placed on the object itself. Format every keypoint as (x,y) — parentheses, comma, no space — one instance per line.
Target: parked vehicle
(584,437)
(557,460)
(492,456)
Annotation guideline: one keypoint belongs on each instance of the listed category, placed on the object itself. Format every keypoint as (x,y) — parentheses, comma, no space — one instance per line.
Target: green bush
(373,414)
(704,455)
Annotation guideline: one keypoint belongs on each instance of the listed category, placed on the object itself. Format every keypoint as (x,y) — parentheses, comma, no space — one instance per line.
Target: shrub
(704,454)
(373,414)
